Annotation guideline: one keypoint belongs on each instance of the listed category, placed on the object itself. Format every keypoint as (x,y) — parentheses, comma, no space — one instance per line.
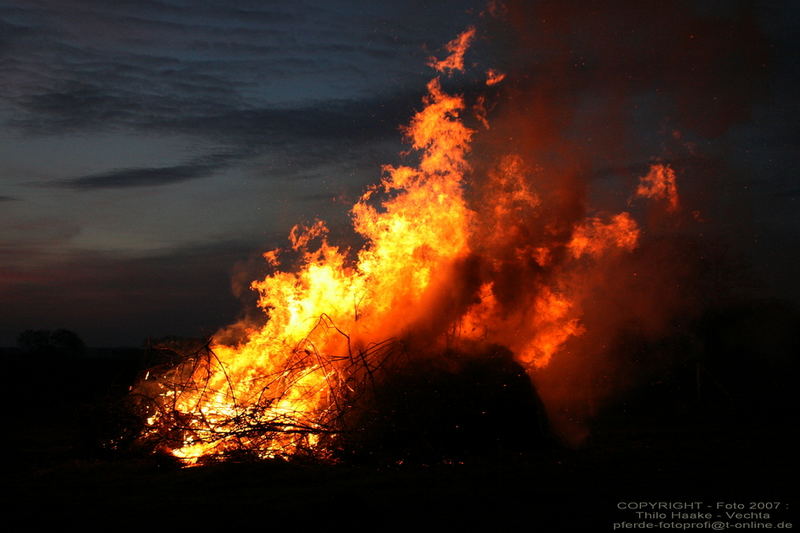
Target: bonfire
(442,273)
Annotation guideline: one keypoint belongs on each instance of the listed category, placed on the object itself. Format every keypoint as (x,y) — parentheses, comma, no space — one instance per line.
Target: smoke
(553,226)
(597,102)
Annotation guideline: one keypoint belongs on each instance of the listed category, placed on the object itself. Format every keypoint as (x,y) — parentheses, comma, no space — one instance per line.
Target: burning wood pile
(460,277)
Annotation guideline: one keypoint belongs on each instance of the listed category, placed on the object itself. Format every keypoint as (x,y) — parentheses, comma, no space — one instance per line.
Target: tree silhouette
(58,342)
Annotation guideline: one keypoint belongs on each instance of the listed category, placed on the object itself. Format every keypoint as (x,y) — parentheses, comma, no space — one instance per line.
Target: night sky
(151,150)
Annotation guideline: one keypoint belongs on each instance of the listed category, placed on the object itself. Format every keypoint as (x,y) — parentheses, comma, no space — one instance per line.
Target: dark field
(660,443)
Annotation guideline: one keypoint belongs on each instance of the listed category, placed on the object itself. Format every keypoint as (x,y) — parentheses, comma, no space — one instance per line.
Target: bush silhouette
(57,342)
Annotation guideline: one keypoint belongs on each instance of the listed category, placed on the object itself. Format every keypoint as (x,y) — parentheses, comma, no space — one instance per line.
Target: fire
(433,266)
(594,237)
(457,48)
(660,184)
(494,77)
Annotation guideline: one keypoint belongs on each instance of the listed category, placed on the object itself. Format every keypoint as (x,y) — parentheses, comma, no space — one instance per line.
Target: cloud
(8,199)
(151,176)
(73,66)
(151,48)
(330,119)
(200,107)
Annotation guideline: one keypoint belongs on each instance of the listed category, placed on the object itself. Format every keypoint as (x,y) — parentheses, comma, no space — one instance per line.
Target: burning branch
(188,417)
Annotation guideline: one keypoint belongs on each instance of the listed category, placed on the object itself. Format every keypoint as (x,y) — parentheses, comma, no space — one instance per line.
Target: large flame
(432,267)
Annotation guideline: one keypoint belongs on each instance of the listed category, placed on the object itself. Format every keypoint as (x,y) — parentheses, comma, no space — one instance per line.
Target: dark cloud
(87,66)
(201,106)
(151,177)
(7,199)
(71,109)
(334,119)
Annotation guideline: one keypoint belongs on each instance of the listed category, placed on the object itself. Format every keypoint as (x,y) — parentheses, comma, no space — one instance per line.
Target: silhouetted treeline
(51,342)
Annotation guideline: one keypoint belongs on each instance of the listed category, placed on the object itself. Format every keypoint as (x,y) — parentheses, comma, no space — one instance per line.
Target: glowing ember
(594,236)
(493,77)
(432,268)
(660,184)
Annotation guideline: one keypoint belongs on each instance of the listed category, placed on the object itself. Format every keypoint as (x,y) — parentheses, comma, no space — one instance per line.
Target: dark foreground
(57,474)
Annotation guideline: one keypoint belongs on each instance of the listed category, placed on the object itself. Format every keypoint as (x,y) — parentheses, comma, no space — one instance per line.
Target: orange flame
(281,390)
(660,184)
(288,369)
(457,48)
(594,237)
(494,77)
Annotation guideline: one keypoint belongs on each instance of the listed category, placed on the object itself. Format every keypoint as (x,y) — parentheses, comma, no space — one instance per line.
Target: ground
(60,407)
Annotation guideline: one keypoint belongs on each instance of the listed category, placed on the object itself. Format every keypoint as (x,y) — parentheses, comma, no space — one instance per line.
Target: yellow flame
(276,392)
